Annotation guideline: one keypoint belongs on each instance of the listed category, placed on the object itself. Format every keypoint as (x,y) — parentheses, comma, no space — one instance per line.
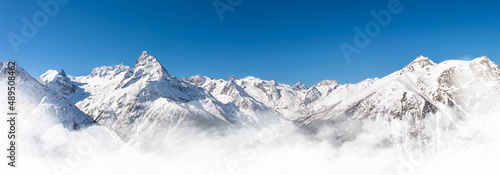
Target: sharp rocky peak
(422,61)
(146,69)
(419,63)
(148,64)
(62,73)
(299,86)
(232,79)
(232,82)
(232,88)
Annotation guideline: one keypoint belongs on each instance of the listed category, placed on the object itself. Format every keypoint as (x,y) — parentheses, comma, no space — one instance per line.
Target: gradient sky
(284,40)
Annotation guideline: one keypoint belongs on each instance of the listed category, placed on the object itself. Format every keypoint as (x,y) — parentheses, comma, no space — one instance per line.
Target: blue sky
(284,40)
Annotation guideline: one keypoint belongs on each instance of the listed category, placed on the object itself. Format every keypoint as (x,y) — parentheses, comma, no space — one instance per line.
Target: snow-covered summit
(148,65)
(420,62)
(146,69)
(485,61)
(50,75)
(58,82)
(299,86)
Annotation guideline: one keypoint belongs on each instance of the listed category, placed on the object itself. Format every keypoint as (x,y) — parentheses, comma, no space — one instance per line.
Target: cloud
(344,147)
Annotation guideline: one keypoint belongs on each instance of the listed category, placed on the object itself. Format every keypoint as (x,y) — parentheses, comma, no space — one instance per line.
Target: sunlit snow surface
(440,143)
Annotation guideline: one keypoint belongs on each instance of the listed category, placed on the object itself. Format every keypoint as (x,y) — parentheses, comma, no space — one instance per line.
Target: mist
(434,145)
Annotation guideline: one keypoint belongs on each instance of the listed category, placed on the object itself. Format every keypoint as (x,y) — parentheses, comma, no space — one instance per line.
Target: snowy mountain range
(147,100)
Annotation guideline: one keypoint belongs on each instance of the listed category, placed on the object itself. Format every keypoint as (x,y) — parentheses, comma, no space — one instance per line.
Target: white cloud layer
(468,146)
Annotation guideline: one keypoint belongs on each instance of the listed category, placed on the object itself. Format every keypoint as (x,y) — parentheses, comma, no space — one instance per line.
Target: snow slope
(43,104)
(147,99)
(421,88)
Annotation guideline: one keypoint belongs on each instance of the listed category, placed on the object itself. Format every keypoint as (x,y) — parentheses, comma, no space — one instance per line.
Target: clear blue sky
(284,40)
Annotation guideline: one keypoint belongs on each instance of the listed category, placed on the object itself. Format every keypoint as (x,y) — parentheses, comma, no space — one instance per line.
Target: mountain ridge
(130,97)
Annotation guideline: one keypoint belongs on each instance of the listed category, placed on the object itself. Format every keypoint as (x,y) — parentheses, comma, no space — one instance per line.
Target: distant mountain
(58,82)
(146,99)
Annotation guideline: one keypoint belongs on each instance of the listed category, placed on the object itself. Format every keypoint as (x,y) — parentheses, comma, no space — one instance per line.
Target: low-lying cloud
(434,145)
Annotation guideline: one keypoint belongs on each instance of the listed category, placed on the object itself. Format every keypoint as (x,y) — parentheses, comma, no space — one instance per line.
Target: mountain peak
(62,73)
(149,64)
(422,61)
(233,78)
(419,62)
(146,69)
(52,75)
(420,58)
(58,82)
(231,88)
(482,59)
(145,57)
(144,53)
(299,86)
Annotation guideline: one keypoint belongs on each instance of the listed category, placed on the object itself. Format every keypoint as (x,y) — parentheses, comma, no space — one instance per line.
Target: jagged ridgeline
(146,99)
